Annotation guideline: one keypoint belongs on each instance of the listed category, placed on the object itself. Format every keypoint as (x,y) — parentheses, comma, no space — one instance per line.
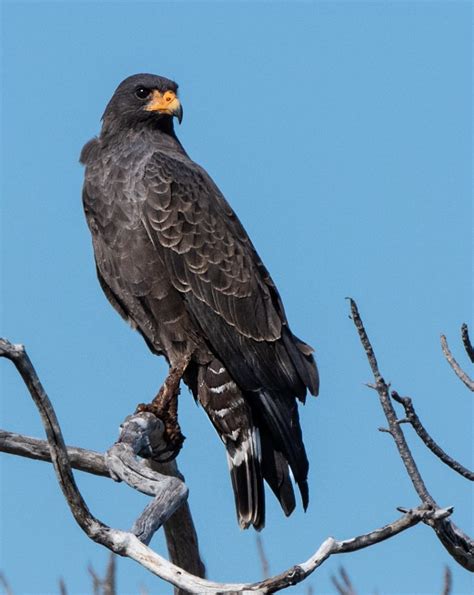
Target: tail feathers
(262,436)
(303,360)
(244,461)
(281,417)
(232,418)
(276,474)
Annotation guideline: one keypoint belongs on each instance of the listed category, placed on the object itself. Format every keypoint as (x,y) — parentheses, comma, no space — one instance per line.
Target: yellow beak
(165,103)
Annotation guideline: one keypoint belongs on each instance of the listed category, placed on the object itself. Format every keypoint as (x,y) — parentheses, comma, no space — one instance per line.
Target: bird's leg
(165,407)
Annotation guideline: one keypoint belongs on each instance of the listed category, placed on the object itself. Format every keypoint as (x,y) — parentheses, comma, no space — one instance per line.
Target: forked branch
(412,417)
(460,373)
(127,544)
(459,545)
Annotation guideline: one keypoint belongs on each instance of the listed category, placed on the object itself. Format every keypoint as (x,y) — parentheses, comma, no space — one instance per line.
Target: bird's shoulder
(189,187)
(89,151)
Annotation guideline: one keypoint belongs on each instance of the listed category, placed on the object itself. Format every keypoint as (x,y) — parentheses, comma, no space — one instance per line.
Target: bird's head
(144,98)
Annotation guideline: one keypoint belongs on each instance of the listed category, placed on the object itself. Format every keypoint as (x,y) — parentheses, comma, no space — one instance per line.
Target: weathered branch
(467,342)
(127,544)
(180,533)
(92,526)
(95,529)
(81,459)
(457,543)
(454,364)
(382,389)
(414,420)
(139,435)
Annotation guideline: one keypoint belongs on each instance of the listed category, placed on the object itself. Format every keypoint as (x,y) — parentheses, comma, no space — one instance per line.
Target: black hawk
(174,260)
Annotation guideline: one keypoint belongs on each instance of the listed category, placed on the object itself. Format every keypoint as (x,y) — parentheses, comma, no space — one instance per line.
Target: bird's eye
(142,92)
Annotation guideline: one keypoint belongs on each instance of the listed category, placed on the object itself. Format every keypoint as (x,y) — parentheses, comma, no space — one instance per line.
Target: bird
(174,260)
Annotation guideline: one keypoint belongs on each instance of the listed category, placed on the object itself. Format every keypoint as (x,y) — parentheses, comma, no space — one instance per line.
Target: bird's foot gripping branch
(164,408)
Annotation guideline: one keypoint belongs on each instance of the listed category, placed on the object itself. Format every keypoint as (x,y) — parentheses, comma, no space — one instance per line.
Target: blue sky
(341,133)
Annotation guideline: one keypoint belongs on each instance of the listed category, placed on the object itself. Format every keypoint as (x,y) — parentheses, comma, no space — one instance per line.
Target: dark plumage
(174,260)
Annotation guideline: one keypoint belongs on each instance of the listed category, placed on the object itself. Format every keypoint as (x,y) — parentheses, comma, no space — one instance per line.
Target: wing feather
(207,254)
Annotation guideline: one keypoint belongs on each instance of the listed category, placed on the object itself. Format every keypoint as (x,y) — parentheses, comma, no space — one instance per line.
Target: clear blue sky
(341,133)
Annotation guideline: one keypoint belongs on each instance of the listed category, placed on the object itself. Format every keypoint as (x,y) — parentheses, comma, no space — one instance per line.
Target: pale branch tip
(460,373)
(413,419)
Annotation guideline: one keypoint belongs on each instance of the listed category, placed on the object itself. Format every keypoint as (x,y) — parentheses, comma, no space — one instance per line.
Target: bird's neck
(161,135)
(165,136)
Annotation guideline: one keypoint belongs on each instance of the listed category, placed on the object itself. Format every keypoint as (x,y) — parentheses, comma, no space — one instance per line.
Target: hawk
(175,261)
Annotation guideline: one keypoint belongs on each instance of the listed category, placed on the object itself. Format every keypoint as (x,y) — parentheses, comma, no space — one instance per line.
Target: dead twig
(107,585)
(394,429)
(344,587)
(455,366)
(263,557)
(414,420)
(448,581)
(4,583)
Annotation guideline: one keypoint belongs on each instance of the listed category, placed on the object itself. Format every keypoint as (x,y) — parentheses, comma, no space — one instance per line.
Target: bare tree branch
(82,459)
(106,585)
(455,366)
(263,557)
(467,342)
(457,543)
(345,587)
(180,533)
(382,389)
(181,537)
(110,586)
(414,420)
(139,435)
(5,585)
(127,544)
(96,582)
(448,581)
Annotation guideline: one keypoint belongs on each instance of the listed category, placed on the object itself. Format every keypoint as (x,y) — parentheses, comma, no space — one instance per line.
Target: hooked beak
(165,103)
